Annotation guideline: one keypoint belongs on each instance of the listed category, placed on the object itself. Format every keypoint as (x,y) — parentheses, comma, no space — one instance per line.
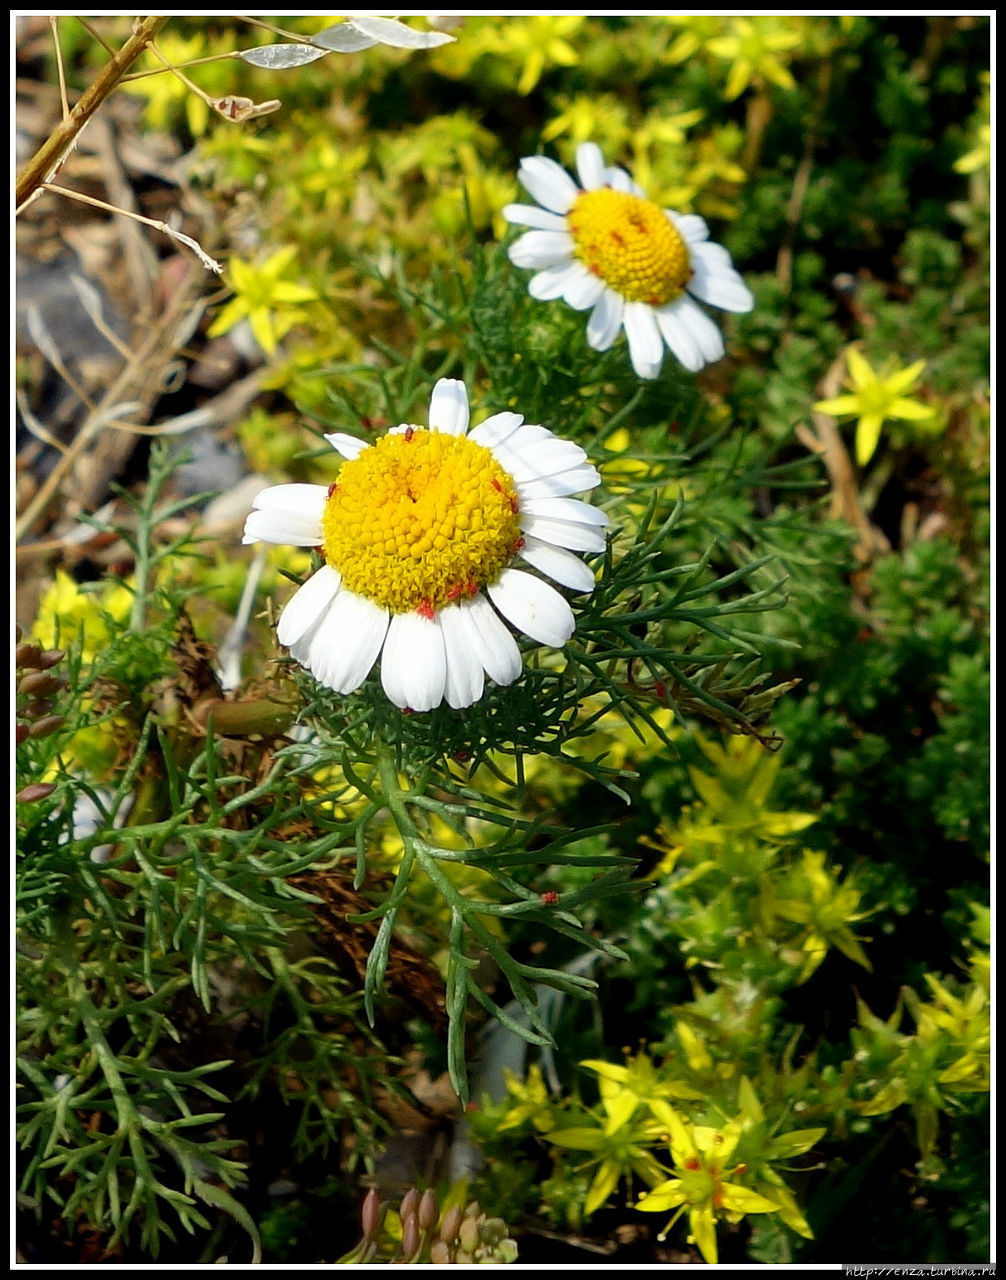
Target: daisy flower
(419,534)
(602,246)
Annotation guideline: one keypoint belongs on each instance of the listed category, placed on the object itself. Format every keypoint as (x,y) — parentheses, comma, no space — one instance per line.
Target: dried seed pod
(27,656)
(34,715)
(40,684)
(42,728)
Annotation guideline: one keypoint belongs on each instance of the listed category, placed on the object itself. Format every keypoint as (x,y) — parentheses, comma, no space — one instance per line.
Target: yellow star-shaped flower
(271,304)
(703,1186)
(751,49)
(874,399)
(537,43)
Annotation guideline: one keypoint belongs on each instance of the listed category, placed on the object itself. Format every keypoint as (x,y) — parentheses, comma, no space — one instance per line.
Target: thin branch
(211,264)
(54,27)
(192,62)
(48,158)
(140,370)
(95,34)
(826,441)
(168,66)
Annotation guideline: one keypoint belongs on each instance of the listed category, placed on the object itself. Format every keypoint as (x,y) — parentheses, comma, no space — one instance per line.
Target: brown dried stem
(50,155)
(826,441)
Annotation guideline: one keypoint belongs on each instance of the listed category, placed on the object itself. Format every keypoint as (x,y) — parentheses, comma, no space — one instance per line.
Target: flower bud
(468,1235)
(410,1237)
(34,791)
(493,1230)
(370,1214)
(427,1212)
(451,1221)
(410,1202)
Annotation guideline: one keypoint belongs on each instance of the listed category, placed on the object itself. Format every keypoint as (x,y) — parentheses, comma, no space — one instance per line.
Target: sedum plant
(715,1121)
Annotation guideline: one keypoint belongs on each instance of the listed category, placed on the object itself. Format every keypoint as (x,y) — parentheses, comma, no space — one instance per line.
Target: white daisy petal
(496,429)
(620,180)
(562,483)
(465,673)
(563,533)
(449,407)
(534,460)
(715,281)
(590,166)
(414,662)
(585,291)
(348,446)
(342,650)
(538,249)
(693,229)
(529,215)
(286,527)
(530,434)
(679,337)
(646,348)
(307,605)
(294,497)
(533,607)
(563,509)
(554,281)
(559,565)
(605,320)
(490,640)
(548,183)
(288,514)
(702,329)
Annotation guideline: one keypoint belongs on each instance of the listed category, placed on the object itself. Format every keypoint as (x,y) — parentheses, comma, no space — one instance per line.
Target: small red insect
(549,898)
(409,433)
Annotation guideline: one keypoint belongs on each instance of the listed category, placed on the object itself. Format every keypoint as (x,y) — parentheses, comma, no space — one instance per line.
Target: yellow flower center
(419,520)
(875,399)
(631,244)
